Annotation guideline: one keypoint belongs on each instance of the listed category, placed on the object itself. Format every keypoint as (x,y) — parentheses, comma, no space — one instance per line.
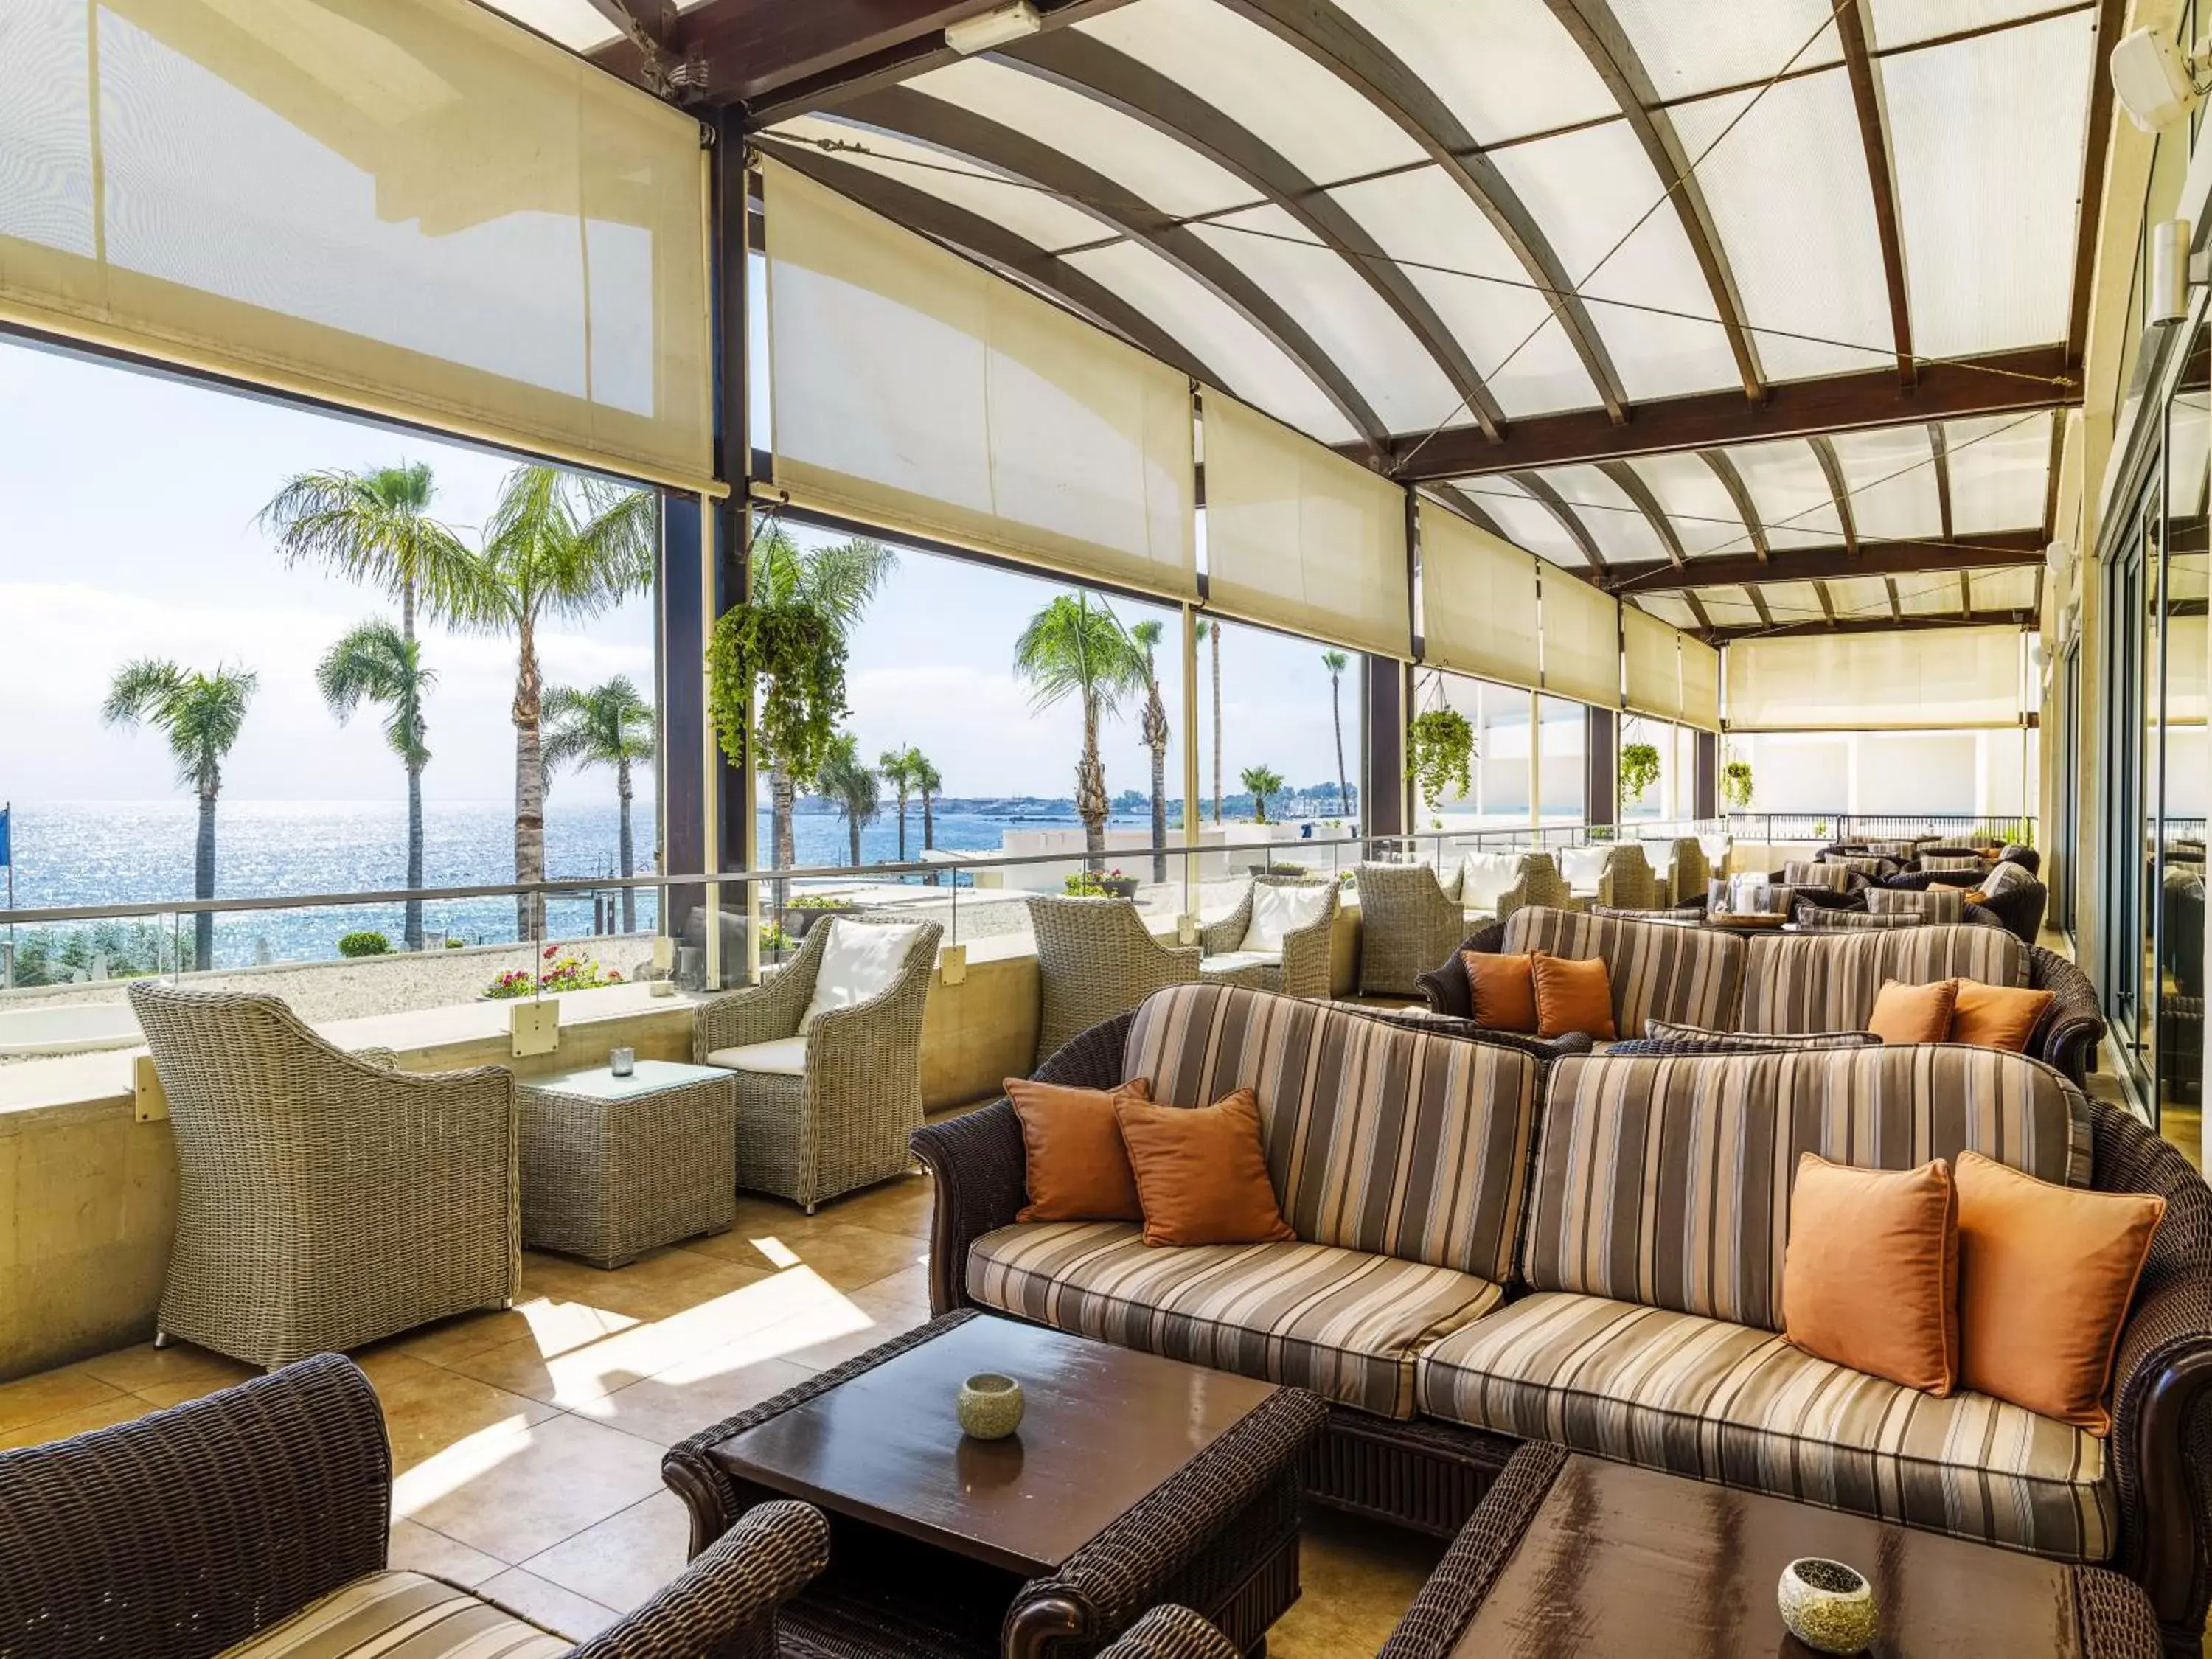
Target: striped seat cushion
(1748,1042)
(1668,1181)
(1837,878)
(1727,1403)
(1817,917)
(1828,983)
(1951,861)
(1344,1323)
(1935,904)
(1872,867)
(400,1615)
(1405,1143)
(1693,975)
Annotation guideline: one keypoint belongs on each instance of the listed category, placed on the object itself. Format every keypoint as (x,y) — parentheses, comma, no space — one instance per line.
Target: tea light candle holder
(1827,1605)
(623,1062)
(990,1406)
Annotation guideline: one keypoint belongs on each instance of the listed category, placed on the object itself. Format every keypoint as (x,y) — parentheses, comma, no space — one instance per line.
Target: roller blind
(915,390)
(1300,539)
(414,208)
(2185,671)
(1651,665)
(1701,685)
(1581,642)
(1932,680)
(1478,602)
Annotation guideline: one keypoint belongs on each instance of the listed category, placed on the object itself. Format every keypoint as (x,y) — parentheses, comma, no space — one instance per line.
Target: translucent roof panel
(576,24)
(1505,68)
(1585,189)
(2188,437)
(1791,492)
(1787,189)
(1932,594)
(1791,602)
(1345,317)
(1985,140)
(1262,83)
(1424,218)
(1668,607)
(1689,49)
(2011,588)
(1616,524)
(1908,22)
(1030,213)
(1890,473)
(1729,607)
(1257,370)
(1159,170)
(1526,523)
(2000,471)
(1696,502)
(1861,598)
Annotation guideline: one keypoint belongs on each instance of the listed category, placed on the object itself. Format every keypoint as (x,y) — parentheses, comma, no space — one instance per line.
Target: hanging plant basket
(1439,750)
(1736,785)
(793,657)
(1639,771)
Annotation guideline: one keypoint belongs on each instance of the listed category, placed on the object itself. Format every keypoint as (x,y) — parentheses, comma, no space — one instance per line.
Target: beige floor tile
(555,1326)
(849,1255)
(837,1331)
(674,1405)
(175,1394)
(415,1548)
(428,1410)
(561,1611)
(120,1409)
(624,1559)
(653,1287)
(49,1393)
(146,1366)
(1359,1577)
(513,1491)
(896,1206)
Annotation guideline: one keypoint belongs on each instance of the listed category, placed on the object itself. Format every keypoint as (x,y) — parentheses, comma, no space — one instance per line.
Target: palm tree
(609,726)
(376,528)
(1336,662)
(1262,782)
(838,581)
(377,663)
(851,788)
(1147,635)
(928,780)
(561,545)
(1076,645)
(1210,630)
(896,767)
(200,715)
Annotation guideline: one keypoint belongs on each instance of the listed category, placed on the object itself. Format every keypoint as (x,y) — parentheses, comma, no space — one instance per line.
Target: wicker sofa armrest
(725,1600)
(1445,985)
(765,1012)
(2068,1035)
(1306,956)
(1171,1632)
(185,1532)
(1448,1601)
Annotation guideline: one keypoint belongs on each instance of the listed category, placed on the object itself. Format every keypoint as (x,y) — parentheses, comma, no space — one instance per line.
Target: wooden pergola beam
(1996,552)
(1568,519)
(1839,491)
(1631,484)
(2012,618)
(1881,182)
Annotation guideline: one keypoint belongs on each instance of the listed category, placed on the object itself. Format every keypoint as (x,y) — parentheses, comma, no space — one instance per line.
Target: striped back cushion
(1836,877)
(1397,1142)
(1820,915)
(1659,970)
(1900,851)
(1869,866)
(1949,861)
(1937,903)
(1825,982)
(1666,1181)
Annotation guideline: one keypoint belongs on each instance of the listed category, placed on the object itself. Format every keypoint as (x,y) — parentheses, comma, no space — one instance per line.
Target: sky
(128,504)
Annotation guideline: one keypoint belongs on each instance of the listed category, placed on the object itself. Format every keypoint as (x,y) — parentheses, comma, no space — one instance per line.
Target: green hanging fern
(795,657)
(1735,784)
(1639,770)
(1439,744)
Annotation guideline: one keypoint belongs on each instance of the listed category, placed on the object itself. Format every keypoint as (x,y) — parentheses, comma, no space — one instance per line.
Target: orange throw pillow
(1869,1278)
(1913,1013)
(1077,1169)
(1997,1016)
(1200,1172)
(1573,996)
(2045,1275)
(1502,990)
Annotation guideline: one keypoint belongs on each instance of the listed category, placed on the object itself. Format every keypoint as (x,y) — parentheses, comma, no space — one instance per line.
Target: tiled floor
(527,1443)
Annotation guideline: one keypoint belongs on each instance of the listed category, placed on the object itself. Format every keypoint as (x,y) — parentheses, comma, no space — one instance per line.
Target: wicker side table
(613,1166)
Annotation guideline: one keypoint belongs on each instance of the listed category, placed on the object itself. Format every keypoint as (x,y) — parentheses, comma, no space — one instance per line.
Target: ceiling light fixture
(990,30)
(2154,80)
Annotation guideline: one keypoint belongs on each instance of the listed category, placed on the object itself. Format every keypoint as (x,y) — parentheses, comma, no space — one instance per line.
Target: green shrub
(364,942)
(453,944)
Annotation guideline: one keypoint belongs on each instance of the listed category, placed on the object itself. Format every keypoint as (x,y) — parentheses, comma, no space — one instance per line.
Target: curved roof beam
(1357,57)
(1592,26)
(1463,504)
(1722,468)
(1085,64)
(1824,451)
(1630,485)
(1866,98)
(1568,519)
(991,244)
(948,127)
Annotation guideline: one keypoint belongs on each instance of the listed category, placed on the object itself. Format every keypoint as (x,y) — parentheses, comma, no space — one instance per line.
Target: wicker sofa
(1802,982)
(1463,1280)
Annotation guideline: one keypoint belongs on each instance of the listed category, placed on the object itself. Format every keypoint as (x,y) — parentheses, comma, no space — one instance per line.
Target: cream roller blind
(1581,641)
(915,390)
(1478,602)
(1931,680)
(415,209)
(1651,665)
(1701,685)
(2185,671)
(1300,539)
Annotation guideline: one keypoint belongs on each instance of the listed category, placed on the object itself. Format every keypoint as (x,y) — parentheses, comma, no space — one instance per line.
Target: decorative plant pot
(1124,887)
(990,1407)
(1827,1605)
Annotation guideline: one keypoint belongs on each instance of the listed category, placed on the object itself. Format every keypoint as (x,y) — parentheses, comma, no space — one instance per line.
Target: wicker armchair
(1536,881)
(1407,922)
(195,1529)
(842,1120)
(1687,871)
(1301,968)
(323,1201)
(1096,958)
(1622,880)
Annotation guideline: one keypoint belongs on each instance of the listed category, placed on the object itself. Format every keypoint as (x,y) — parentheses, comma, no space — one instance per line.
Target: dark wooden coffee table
(1132,1481)
(1573,1556)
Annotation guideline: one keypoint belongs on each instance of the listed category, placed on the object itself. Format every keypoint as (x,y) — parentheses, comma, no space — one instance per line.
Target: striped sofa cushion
(1828,983)
(1726,1403)
(1837,878)
(1871,867)
(1409,1144)
(1819,916)
(1935,904)
(1954,862)
(1344,1323)
(1658,970)
(1668,1181)
(1745,1042)
(1900,851)
(401,1615)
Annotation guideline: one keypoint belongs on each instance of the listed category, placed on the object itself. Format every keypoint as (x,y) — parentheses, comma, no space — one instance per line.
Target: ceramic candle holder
(1827,1605)
(623,1062)
(990,1406)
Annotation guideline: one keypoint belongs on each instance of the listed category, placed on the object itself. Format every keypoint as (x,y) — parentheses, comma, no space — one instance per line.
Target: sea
(86,853)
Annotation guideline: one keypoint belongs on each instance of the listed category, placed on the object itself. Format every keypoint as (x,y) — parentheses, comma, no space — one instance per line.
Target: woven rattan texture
(610,1179)
(1096,958)
(1432,1626)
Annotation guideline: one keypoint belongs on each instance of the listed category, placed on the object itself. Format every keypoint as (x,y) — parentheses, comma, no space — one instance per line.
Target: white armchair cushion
(1277,910)
(1489,876)
(861,961)
(1582,866)
(1716,849)
(1230,962)
(784,1057)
